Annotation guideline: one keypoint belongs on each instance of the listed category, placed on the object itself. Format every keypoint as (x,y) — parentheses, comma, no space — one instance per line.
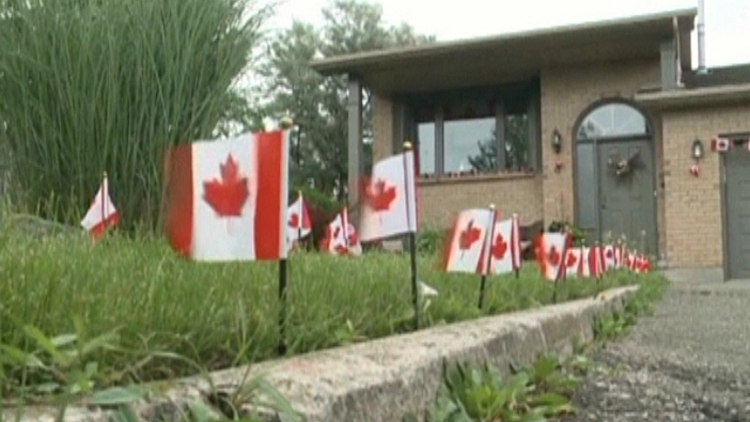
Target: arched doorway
(615,175)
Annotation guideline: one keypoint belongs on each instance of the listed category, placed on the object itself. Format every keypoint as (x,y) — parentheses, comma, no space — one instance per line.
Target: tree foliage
(318,104)
(106,85)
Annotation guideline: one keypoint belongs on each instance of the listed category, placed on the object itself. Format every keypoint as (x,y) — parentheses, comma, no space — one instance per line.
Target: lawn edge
(382,379)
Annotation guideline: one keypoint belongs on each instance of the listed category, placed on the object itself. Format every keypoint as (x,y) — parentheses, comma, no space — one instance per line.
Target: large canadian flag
(552,251)
(102,212)
(227,198)
(469,242)
(341,236)
(505,246)
(298,223)
(389,204)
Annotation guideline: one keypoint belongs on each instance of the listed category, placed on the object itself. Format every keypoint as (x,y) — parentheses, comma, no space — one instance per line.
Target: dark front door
(737,200)
(626,200)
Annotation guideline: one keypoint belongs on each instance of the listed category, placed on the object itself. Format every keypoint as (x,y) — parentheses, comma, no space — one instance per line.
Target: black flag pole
(285,124)
(517,243)
(412,238)
(487,255)
(282,305)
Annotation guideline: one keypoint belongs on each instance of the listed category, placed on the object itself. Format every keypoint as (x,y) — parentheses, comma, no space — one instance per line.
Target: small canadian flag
(574,262)
(298,223)
(102,213)
(341,236)
(505,247)
(551,253)
(469,242)
(720,144)
(389,199)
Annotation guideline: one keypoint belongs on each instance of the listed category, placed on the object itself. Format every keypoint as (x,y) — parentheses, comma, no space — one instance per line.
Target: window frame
(507,100)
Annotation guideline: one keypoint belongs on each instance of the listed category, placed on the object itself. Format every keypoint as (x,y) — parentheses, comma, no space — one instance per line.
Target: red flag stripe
(178,176)
(270,221)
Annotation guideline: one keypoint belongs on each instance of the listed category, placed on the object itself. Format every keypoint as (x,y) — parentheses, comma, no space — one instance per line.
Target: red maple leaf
(379,196)
(227,195)
(572,260)
(499,247)
(554,256)
(294,221)
(609,253)
(468,236)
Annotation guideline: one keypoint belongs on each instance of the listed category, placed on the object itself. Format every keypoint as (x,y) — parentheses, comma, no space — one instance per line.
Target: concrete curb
(384,379)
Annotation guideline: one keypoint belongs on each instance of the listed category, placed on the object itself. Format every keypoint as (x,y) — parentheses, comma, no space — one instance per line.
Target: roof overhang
(698,97)
(509,57)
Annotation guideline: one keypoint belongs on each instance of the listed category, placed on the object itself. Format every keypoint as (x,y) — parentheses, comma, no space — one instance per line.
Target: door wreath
(623,168)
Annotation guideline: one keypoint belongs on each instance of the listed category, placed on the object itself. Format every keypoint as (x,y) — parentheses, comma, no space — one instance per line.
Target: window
(485,131)
(426,147)
(469,138)
(613,120)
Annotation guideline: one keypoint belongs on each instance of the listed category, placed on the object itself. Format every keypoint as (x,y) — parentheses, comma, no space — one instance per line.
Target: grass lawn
(174,317)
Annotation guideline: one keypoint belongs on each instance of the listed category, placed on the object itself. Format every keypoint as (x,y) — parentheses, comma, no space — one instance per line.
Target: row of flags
(227,201)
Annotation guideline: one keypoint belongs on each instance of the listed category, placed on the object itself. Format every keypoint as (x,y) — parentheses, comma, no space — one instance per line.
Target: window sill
(472,178)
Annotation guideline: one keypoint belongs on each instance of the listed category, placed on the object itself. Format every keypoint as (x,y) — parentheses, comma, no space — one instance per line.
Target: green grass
(173,317)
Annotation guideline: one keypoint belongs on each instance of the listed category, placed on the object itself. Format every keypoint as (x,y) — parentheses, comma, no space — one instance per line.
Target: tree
(516,147)
(317,104)
(93,85)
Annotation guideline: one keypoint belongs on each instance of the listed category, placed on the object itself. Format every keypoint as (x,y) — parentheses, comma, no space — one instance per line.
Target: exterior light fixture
(697,150)
(557,141)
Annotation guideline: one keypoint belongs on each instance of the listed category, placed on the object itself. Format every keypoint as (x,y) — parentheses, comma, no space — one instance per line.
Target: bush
(89,86)
(577,233)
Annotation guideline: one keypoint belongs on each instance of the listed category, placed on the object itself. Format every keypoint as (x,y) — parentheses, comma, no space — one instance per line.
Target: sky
(727,21)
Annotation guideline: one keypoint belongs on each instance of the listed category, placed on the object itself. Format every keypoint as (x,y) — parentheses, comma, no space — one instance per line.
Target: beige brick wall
(440,201)
(693,205)
(566,94)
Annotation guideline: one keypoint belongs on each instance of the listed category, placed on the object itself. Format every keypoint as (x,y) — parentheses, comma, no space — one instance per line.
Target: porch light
(697,150)
(557,141)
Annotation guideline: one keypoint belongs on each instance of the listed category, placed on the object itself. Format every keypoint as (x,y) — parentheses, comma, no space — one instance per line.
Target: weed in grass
(480,393)
(172,317)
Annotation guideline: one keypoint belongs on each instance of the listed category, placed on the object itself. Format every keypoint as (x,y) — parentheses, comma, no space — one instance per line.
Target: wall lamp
(697,151)
(556,141)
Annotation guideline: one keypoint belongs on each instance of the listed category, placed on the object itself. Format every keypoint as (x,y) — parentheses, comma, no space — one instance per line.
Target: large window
(487,131)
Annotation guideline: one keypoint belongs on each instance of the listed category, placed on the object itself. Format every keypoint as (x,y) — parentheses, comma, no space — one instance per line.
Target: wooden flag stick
(517,243)
(282,306)
(487,256)
(412,247)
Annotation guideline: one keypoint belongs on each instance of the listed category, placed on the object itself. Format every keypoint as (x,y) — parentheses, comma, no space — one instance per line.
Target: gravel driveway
(690,361)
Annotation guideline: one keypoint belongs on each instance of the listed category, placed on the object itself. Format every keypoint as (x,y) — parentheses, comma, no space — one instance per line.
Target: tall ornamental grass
(88,86)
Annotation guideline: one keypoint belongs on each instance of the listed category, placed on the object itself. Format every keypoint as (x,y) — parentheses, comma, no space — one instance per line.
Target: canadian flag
(341,237)
(551,254)
(389,204)
(102,213)
(585,267)
(298,222)
(596,261)
(505,246)
(574,262)
(720,144)
(610,262)
(227,198)
(619,252)
(469,242)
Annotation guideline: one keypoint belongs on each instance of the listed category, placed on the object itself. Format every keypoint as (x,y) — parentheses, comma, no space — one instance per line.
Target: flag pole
(487,256)
(285,124)
(105,187)
(412,246)
(301,220)
(283,273)
(517,242)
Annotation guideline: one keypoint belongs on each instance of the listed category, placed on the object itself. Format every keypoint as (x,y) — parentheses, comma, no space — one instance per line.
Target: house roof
(508,57)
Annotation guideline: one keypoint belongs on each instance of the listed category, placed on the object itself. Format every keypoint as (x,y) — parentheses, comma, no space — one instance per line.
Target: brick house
(537,123)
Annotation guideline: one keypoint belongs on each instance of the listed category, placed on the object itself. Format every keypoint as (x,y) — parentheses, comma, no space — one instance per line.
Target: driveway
(690,361)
